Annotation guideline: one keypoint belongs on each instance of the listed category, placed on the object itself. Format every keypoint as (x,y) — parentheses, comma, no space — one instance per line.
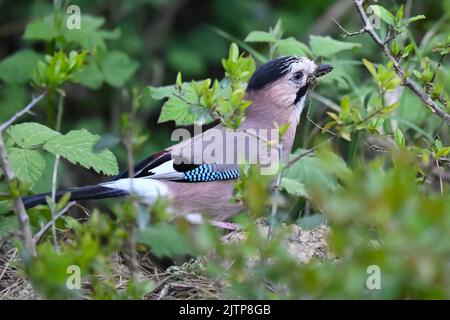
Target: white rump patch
(148,189)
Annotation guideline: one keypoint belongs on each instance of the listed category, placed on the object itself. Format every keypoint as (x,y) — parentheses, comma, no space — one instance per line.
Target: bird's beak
(322,70)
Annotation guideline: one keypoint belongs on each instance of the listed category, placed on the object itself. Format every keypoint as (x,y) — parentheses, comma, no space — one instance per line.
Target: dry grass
(184,282)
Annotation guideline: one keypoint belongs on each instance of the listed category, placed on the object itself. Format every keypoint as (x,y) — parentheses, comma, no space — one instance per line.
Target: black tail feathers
(81,193)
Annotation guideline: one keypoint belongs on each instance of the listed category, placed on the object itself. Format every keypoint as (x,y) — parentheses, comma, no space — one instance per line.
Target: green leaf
(117,68)
(90,35)
(407,50)
(30,134)
(327,47)
(183,111)
(27,164)
(165,241)
(384,14)
(41,29)
(90,76)
(16,69)
(293,187)
(290,46)
(77,147)
(416,18)
(442,152)
(320,171)
(160,92)
(260,36)
(12,99)
(8,224)
(233,53)
(399,138)
(177,110)
(369,65)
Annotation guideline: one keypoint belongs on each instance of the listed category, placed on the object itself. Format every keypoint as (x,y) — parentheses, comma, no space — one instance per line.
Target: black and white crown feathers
(272,71)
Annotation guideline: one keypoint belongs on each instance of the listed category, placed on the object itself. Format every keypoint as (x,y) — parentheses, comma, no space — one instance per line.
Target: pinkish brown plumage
(277,90)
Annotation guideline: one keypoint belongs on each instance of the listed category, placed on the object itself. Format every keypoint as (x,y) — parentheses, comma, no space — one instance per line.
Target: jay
(277,91)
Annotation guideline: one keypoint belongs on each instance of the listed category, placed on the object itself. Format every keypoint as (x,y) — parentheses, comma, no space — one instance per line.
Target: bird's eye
(298,76)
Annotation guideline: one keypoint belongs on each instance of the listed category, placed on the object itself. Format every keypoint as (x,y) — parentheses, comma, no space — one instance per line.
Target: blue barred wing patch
(207,172)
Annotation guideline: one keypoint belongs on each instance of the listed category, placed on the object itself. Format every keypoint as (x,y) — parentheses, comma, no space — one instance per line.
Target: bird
(195,185)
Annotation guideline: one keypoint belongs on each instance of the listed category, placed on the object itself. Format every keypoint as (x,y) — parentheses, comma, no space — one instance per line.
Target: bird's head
(286,80)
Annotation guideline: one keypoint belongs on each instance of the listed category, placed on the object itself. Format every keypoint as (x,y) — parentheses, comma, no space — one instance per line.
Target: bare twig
(51,223)
(53,203)
(347,33)
(22,112)
(441,185)
(55,176)
(367,26)
(307,153)
(275,198)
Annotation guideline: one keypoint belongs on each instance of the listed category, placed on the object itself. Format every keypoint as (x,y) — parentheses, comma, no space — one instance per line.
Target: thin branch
(53,202)
(22,112)
(307,153)
(441,185)
(51,223)
(55,177)
(367,26)
(347,33)
(275,198)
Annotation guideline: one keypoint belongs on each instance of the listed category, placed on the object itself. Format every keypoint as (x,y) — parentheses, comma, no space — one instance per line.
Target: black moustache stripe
(300,93)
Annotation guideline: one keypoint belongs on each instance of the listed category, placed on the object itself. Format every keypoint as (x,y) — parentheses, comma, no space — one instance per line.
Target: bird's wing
(166,165)
(181,162)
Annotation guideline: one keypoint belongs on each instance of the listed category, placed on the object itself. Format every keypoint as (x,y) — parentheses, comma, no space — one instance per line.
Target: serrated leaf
(117,68)
(177,110)
(260,36)
(160,92)
(77,147)
(28,165)
(293,187)
(383,14)
(319,171)
(90,35)
(31,134)
(41,29)
(327,46)
(16,69)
